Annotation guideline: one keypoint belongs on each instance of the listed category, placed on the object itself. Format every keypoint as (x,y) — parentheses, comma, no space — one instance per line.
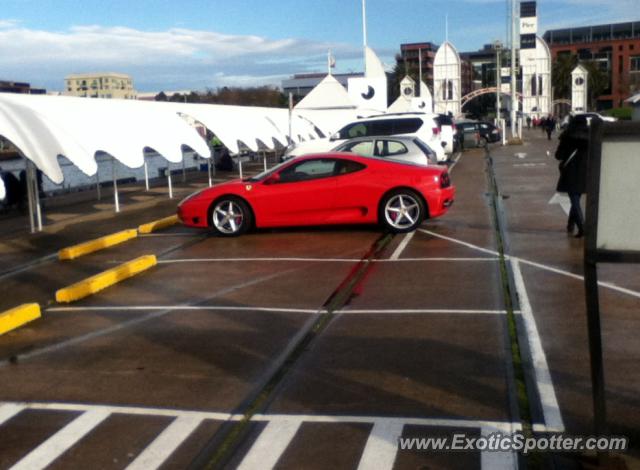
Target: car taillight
(445,181)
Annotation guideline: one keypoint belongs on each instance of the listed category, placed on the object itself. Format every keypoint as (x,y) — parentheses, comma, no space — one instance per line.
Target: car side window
(382,127)
(388,148)
(345,167)
(361,148)
(357,129)
(431,156)
(308,170)
(396,148)
(407,126)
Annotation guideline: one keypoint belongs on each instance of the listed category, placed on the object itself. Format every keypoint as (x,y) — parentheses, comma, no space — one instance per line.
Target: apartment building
(100,85)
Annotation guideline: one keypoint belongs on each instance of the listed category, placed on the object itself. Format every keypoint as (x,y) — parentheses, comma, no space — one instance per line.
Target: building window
(634,65)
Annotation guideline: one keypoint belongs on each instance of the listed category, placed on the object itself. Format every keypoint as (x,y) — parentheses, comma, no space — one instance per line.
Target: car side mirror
(273,179)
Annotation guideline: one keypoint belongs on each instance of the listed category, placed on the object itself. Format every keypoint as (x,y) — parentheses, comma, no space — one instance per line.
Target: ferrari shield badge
(248,187)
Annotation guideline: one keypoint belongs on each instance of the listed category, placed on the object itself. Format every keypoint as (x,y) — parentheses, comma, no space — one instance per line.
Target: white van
(422,125)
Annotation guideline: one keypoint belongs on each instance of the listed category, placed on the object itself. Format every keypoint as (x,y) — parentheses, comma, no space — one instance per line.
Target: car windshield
(265,174)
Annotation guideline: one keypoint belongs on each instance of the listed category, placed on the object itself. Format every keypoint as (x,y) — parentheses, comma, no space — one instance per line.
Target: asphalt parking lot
(314,348)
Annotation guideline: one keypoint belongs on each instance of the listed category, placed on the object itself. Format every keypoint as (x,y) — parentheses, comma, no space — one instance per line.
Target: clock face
(579,81)
(407,91)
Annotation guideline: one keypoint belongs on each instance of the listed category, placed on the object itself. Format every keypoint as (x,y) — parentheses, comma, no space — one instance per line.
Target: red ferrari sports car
(329,188)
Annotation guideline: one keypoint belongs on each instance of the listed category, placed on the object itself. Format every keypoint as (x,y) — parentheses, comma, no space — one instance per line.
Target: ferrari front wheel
(401,211)
(230,216)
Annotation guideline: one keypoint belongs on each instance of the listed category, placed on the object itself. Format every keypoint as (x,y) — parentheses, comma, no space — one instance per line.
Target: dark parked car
(476,133)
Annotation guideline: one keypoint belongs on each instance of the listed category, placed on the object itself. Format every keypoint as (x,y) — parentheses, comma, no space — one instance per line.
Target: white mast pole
(364,22)
(514,98)
(419,69)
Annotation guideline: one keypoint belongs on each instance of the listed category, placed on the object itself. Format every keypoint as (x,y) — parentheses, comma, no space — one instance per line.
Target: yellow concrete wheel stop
(105,279)
(18,316)
(158,224)
(101,243)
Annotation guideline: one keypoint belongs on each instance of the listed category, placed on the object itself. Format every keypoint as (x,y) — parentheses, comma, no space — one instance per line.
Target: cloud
(8,23)
(179,57)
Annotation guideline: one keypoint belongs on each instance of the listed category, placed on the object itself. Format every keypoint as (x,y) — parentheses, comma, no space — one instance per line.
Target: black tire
(483,142)
(230,216)
(401,211)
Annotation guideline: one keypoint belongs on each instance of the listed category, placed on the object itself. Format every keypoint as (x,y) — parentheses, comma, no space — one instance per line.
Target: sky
(199,44)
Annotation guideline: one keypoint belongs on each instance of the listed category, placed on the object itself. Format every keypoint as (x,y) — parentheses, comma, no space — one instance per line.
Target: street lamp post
(498,47)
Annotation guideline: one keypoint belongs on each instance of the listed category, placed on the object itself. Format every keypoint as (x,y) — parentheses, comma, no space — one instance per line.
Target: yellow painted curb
(105,279)
(158,224)
(85,248)
(18,316)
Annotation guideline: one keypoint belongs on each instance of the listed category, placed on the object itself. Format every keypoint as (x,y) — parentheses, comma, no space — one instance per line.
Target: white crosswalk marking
(380,451)
(9,410)
(493,460)
(61,441)
(382,446)
(165,444)
(270,445)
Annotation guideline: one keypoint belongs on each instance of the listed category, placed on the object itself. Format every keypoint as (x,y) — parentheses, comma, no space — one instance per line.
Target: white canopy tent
(45,127)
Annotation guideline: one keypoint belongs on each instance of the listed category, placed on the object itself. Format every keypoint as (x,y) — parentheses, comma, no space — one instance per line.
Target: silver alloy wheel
(402,211)
(228,217)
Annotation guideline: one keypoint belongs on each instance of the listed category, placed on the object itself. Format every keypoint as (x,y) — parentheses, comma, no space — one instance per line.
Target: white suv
(422,125)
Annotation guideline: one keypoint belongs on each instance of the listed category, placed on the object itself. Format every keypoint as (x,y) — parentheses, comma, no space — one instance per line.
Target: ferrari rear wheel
(401,211)
(231,216)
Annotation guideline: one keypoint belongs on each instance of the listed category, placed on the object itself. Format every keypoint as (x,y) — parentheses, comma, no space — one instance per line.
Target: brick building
(615,47)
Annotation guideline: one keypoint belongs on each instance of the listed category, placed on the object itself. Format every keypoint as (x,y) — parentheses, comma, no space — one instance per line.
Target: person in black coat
(573,153)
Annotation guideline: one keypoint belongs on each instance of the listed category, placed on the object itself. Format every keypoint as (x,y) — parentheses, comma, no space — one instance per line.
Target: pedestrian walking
(528,122)
(549,126)
(572,152)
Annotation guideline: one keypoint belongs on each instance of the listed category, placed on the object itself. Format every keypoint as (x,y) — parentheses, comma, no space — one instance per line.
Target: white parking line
(165,444)
(150,308)
(382,446)
(223,308)
(438,259)
(546,391)
(403,244)
(447,311)
(132,322)
(9,410)
(60,442)
(545,267)
(455,162)
(270,260)
(460,242)
(503,426)
(496,460)
(394,258)
(270,445)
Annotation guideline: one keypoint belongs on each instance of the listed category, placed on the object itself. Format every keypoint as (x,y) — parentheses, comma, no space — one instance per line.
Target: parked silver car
(406,149)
